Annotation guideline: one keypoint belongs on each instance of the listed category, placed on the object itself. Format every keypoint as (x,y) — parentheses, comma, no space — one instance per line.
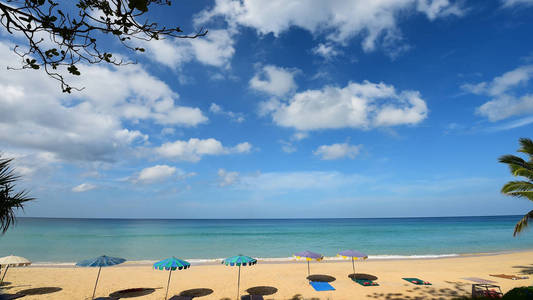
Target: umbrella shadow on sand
(321,278)
(192,293)
(40,291)
(257,292)
(131,293)
(457,289)
(364,276)
(527,270)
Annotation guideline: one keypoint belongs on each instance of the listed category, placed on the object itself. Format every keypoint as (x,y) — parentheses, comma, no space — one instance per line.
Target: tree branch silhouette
(73,33)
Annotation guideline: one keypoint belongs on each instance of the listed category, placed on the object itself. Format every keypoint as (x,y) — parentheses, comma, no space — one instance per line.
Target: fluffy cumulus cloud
(155,174)
(84,187)
(88,125)
(357,105)
(338,20)
(227,178)
(274,80)
(337,151)
(327,51)
(508,92)
(215,49)
(513,3)
(193,149)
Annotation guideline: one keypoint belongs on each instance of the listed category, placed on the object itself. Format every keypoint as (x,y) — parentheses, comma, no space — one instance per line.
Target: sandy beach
(288,278)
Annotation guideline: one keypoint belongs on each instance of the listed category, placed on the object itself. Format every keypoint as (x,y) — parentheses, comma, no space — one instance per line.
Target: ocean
(50,240)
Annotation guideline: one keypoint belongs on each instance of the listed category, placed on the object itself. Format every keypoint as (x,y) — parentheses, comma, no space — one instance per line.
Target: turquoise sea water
(70,240)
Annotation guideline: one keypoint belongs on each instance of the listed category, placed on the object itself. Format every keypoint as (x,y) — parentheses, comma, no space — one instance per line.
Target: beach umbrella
(171,264)
(12,261)
(309,256)
(100,261)
(239,260)
(354,255)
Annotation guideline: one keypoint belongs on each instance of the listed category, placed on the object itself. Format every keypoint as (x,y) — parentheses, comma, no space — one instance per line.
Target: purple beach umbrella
(309,256)
(353,255)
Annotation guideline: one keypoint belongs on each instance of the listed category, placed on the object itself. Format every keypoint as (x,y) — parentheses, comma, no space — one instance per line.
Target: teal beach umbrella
(239,260)
(171,264)
(100,261)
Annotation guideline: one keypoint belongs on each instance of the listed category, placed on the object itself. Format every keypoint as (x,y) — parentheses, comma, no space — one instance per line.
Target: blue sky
(285,109)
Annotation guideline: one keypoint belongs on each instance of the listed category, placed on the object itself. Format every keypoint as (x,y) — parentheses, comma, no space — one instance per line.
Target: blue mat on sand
(321,286)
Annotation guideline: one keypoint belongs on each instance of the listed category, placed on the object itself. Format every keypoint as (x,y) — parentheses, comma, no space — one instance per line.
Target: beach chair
(365,282)
(486,291)
(252,297)
(180,298)
(416,281)
(321,286)
(512,277)
(10,296)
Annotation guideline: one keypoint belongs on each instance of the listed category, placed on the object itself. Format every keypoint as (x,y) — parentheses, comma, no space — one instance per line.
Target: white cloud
(284,181)
(327,51)
(288,146)
(274,80)
(155,174)
(358,105)
(514,124)
(507,93)
(215,49)
(193,149)
(84,187)
(227,178)
(511,3)
(218,110)
(27,163)
(337,151)
(338,20)
(298,136)
(87,125)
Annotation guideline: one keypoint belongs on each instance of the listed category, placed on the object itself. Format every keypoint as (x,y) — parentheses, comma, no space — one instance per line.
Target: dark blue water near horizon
(69,240)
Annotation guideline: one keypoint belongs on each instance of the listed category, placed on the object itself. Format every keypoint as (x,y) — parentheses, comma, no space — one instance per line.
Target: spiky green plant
(10,200)
(520,188)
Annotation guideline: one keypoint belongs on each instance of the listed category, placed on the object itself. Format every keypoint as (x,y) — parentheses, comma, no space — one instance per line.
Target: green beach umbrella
(99,262)
(239,260)
(171,264)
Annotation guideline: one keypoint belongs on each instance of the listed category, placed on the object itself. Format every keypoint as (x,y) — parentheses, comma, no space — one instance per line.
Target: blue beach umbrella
(309,256)
(100,261)
(239,260)
(171,264)
(354,255)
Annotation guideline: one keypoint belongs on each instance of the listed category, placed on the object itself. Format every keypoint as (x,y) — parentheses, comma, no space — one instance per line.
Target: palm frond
(7,175)
(528,195)
(515,161)
(526,146)
(522,223)
(519,171)
(10,200)
(517,186)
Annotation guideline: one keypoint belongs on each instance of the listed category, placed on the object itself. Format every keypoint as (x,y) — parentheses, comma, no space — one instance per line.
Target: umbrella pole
(308,269)
(96,283)
(168,283)
(239,283)
(353,265)
(2,281)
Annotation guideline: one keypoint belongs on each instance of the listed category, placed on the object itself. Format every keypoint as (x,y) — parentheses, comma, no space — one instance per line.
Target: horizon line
(293,218)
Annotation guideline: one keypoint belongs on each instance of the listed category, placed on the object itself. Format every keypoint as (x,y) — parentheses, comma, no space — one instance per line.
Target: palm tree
(9,199)
(521,188)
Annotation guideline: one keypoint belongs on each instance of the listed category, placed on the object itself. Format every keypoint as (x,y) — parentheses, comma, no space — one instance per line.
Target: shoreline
(292,259)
